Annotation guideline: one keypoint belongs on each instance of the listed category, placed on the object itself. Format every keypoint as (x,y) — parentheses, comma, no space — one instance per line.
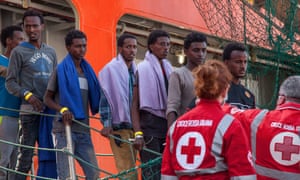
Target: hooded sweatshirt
(29,70)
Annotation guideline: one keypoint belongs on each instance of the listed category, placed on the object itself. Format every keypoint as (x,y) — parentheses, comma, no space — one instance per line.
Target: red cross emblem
(285,148)
(190,150)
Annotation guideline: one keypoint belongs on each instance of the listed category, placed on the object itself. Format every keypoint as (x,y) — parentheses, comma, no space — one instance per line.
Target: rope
(66,151)
(25,174)
(147,164)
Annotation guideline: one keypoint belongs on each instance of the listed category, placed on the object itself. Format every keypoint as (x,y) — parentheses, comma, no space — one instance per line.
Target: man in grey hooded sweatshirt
(31,64)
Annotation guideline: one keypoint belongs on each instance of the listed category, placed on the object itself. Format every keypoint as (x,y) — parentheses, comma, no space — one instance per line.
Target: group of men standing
(144,106)
(39,85)
(161,95)
(137,102)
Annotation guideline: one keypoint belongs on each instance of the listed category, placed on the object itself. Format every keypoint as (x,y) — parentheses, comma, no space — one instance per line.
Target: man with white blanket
(150,100)
(117,79)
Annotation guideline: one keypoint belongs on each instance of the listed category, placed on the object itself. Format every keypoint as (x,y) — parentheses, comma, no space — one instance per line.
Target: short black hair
(74,34)
(234,46)
(154,35)
(32,12)
(8,32)
(123,37)
(194,37)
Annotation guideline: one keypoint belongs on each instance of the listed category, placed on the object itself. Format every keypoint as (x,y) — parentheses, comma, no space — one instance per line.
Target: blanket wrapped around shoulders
(152,87)
(69,89)
(114,80)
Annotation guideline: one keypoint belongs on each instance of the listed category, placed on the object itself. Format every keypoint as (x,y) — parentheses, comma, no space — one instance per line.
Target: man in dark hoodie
(31,64)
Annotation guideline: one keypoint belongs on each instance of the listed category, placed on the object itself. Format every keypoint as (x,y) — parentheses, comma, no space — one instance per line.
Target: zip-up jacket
(275,141)
(206,143)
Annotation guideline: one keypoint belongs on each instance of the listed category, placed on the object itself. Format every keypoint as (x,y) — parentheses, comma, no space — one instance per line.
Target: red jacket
(275,141)
(205,143)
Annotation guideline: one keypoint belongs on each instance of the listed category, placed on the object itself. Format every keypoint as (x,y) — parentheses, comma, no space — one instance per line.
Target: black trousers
(152,170)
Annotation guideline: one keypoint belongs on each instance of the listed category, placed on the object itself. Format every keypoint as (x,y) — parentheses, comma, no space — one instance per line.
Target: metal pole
(70,149)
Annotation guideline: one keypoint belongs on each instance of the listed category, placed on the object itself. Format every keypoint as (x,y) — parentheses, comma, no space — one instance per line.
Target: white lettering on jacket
(194,123)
